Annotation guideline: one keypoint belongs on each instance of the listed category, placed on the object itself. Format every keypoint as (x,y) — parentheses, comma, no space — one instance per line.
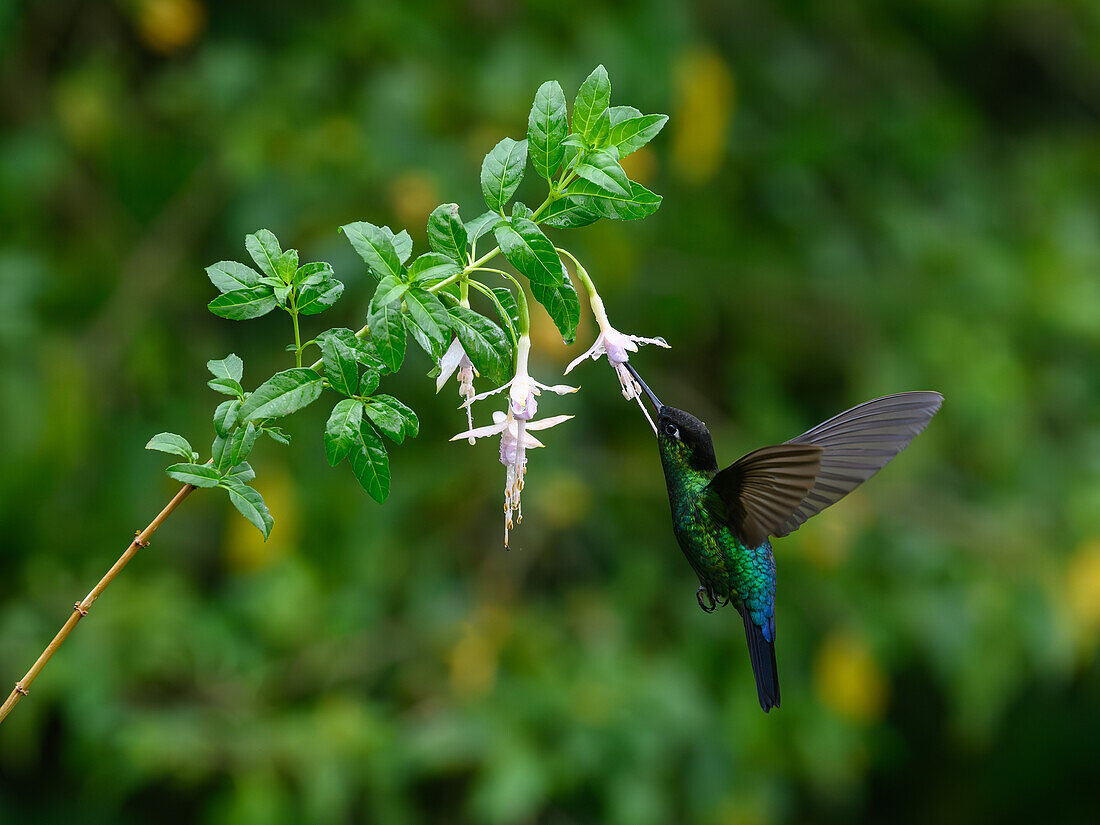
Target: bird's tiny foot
(710,596)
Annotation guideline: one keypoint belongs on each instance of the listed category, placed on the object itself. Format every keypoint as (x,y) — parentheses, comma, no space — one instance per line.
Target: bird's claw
(710,596)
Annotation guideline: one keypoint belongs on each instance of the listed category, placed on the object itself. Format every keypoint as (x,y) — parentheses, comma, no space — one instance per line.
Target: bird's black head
(684,440)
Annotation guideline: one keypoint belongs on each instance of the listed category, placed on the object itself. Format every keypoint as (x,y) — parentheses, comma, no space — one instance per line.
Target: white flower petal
(480,432)
(547,423)
(449,363)
(594,352)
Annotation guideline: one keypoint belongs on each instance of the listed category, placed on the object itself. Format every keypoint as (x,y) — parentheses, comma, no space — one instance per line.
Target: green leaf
(220,453)
(197,475)
(618,114)
(570,212)
(547,126)
(501,172)
(242,446)
(486,344)
(341,368)
(641,202)
(364,351)
(432,266)
(265,251)
(509,311)
(225,416)
(316,299)
(631,135)
(242,472)
(478,226)
(602,168)
(370,464)
(368,381)
(242,304)
(276,434)
(389,290)
(250,504)
(521,210)
(342,430)
(562,305)
(431,317)
(283,393)
(402,243)
(229,276)
(312,274)
(387,333)
(375,246)
(172,444)
(286,266)
(446,234)
(529,251)
(226,386)
(229,367)
(392,417)
(590,115)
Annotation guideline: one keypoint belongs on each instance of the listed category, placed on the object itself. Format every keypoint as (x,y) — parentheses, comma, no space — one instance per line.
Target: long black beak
(656,402)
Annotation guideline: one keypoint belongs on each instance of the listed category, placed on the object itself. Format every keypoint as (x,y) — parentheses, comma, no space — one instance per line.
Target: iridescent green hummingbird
(724,519)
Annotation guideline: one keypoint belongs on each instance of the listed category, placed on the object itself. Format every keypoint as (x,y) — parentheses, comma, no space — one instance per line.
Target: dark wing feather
(857,444)
(759,493)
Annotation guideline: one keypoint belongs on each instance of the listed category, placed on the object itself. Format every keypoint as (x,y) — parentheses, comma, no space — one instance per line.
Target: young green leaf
(547,126)
(430,317)
(242,472)
(368,381)
(402,243)
(486,344)
(283,393)
(241,445)
(276,434)
(226,386)
(197,475)
(506,307)
(265,251)
(521,210)
(631,135)
(250,504)
(172,444)
(389,290)
(286,266)
(640,204)
(618,114)
(341,368)
(370,464)
(476,227)
(432,266)
(220,452)
(562,305)
(364,351)
(502,171)
(375,247)
(392,417)
(570,212)
(446,234)
(602,168)
(229,367)
(229,276)
(242,304)
(529,251)
(316,299)
(387,333)
(342,430)
(313,273)
(590,116)
(225,416)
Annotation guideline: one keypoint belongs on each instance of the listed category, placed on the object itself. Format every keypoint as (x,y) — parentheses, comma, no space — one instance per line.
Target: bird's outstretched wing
(857,444)
(761,492)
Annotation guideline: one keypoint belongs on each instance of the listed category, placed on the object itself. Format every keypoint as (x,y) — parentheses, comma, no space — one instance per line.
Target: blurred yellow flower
(705,93)
(473,659)
(414,196)
(848,679)
(1082,589)
(167,26)
(245,548)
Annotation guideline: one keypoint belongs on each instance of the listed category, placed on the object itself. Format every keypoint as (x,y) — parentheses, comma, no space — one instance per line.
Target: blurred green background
(860,198)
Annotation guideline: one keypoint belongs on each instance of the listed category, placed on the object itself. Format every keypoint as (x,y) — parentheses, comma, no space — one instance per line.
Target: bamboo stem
(80,609)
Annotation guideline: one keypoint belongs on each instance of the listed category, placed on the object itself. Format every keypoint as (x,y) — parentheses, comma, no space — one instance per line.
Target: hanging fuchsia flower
(455,358)
(514,427)
(616,346)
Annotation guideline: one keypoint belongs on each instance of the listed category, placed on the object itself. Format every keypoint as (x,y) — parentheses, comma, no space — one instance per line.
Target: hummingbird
(724,520)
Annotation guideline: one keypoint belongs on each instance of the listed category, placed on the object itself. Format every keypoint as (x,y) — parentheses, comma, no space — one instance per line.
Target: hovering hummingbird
(724,519)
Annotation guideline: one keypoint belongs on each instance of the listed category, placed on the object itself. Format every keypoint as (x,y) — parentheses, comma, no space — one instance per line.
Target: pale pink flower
(455,358)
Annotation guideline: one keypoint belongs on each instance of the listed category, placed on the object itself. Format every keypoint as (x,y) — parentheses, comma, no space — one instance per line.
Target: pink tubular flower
(514,427)
(616,346)
(455,358)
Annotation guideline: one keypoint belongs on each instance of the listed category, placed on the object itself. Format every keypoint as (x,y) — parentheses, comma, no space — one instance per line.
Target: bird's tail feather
(762,655)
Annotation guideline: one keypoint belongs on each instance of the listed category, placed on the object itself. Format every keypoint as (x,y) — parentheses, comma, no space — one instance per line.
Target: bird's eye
(672,431)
